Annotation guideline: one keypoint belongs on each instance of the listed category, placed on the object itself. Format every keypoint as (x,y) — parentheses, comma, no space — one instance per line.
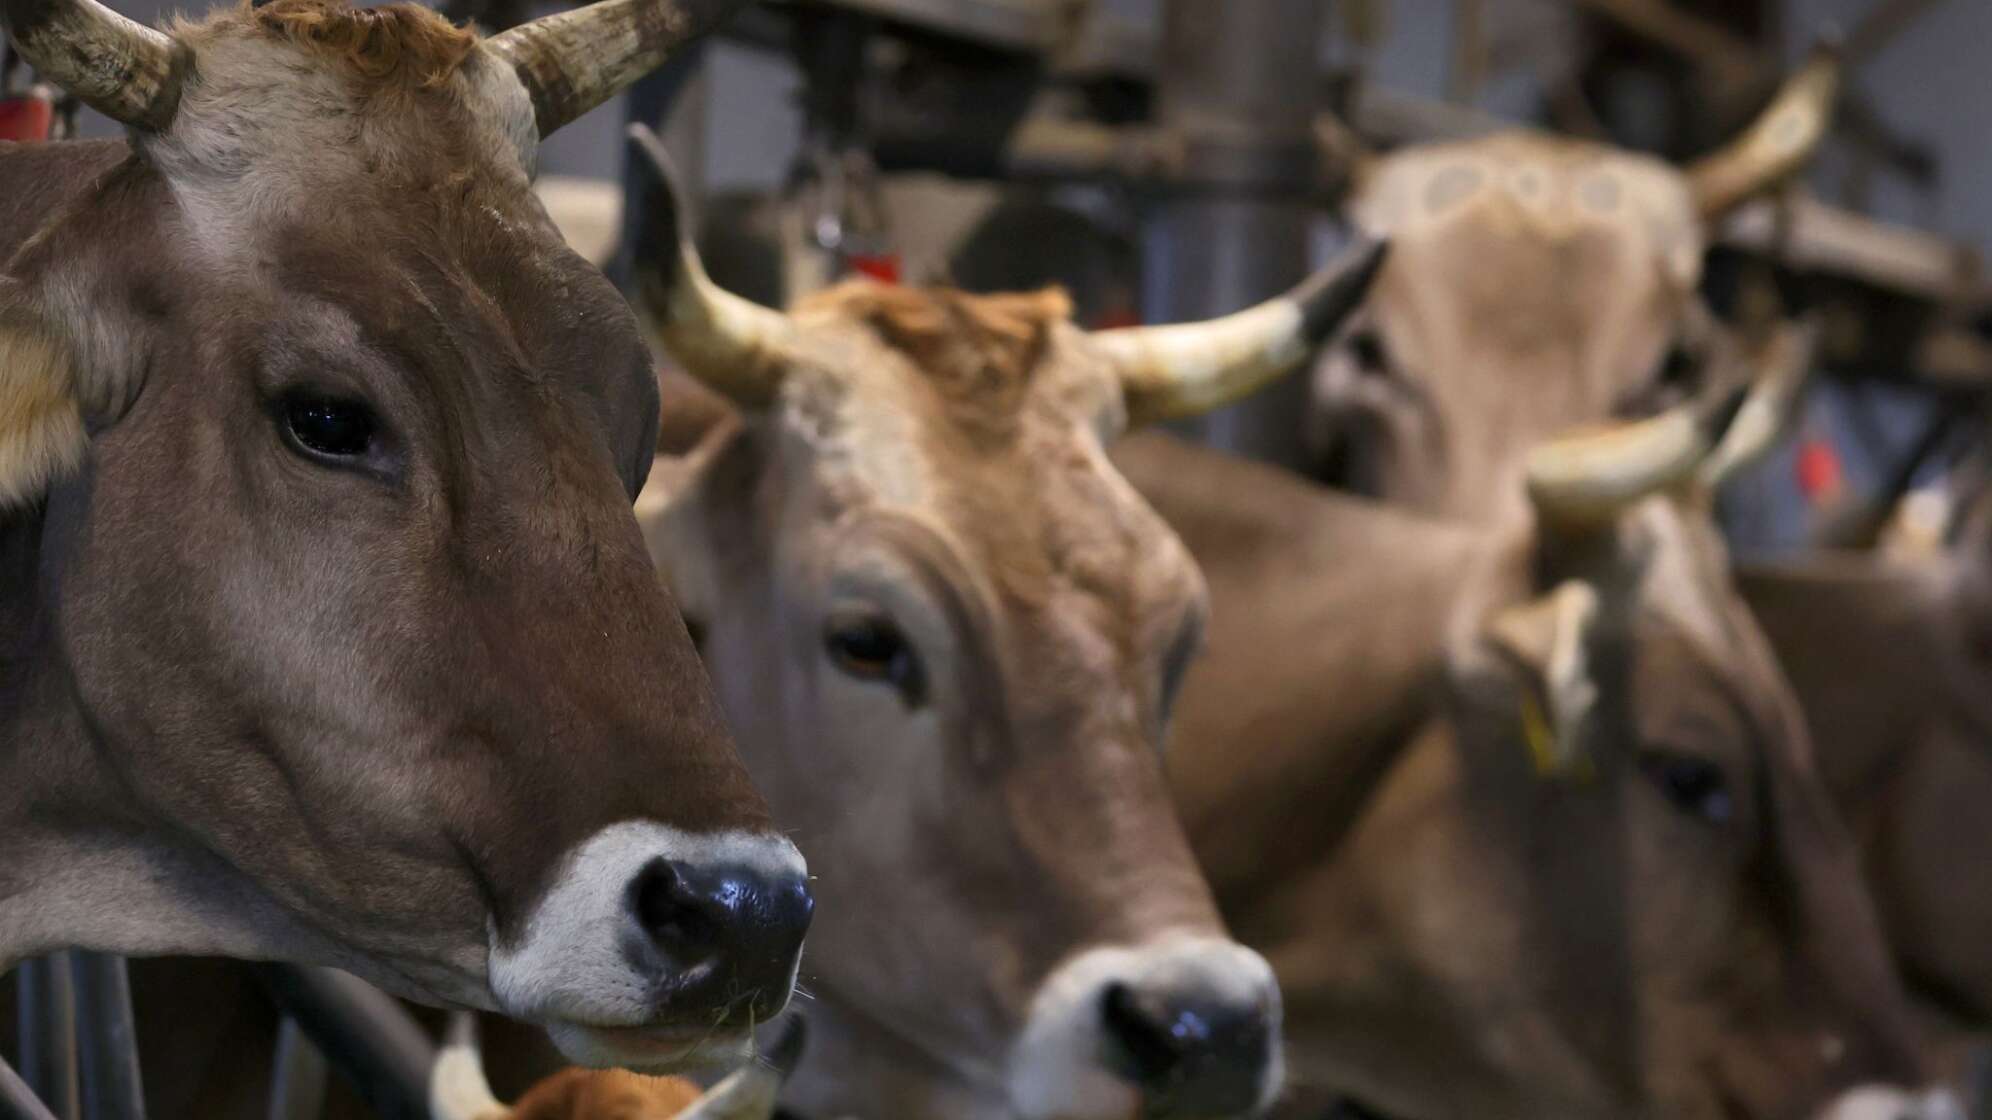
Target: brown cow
(1535,283)
(326,632)
(949,634)
(1509,314)
(1528,825)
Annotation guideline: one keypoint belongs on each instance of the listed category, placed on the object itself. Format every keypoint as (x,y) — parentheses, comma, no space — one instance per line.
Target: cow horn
(750,1093)
(730,344)
(1778,143)
(572,61)
(1782,366)
(457,1086)
(1587,479)
(1171,372)
(119,67)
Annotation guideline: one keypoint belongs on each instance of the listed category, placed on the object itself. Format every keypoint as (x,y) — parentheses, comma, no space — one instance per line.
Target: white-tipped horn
(1587,479)
(1782,368)
(1779,143)
(457,1086)
(1171,372)
(732,345)
(121,68)
(751,1093)
(572,61)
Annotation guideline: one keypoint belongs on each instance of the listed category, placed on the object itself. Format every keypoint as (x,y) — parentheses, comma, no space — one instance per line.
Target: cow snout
(1184,1026)
(1201,1051)
(1874,1102)
(652,946)
(728,934)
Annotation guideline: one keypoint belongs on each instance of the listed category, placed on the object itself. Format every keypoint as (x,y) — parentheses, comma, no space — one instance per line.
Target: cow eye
(1692,785)
(329,426)
(1366,346)
(870,647)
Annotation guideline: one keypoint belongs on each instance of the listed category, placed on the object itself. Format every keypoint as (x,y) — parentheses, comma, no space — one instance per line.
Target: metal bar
(297,1084)
(1882,24)
(1688,35)
(47,1014)
(1237,84)
(17,1101)
(368,1037)
(107,1038)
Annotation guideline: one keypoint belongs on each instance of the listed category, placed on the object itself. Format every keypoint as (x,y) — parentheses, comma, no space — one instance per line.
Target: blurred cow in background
(1535,283)
(1539,284)
(1526,819)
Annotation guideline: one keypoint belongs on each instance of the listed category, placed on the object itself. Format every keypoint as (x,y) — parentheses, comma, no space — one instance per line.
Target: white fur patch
(1055,1069)
(1876,1102)
(570,965)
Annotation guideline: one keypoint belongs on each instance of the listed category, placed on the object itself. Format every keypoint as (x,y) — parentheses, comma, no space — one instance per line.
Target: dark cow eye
(329,426)
(1367,349)
(1694,786)
(871,648)
(1680,370)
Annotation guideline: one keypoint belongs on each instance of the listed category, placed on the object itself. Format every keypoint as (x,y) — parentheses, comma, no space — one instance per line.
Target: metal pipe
(107,1038)
(17,1101)
(363,1032)
(297,1085)
(1237,85)
(47,1015)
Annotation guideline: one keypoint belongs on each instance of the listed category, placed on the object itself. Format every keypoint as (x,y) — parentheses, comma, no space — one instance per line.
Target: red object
(883,267)
(1820,475)
(26,118)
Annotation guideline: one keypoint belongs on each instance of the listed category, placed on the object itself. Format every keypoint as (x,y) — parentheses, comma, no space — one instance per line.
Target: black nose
(722,939)
(1190,1053)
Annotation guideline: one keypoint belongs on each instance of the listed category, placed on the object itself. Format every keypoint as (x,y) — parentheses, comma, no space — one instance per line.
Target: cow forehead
(1016,477)
(277,128)
(1537,190)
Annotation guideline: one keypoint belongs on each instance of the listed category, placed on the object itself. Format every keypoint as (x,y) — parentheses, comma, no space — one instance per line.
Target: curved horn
(1780,142)
(1782,368)
(1168,373)
(750,1093)
(572,61)
(121,68)
(730,344)
(1588,479)
(457,1086)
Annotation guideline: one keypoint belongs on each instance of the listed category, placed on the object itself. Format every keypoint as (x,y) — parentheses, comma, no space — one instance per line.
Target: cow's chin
(652,1050)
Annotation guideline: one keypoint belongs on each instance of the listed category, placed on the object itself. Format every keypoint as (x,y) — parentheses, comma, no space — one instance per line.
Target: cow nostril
(1150,1044)
(670,909)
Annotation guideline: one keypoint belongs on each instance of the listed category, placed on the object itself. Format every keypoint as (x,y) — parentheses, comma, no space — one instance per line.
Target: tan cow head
(1634,895)
(950,634)
(1528,824)
(1535,283)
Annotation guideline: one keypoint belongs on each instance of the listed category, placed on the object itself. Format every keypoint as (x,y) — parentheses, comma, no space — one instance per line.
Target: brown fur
(582,1094)
(405,41)
(980,351)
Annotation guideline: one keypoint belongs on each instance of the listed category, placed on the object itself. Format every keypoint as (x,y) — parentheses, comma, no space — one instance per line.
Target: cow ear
(1550,639)
(696,427)
(42,436)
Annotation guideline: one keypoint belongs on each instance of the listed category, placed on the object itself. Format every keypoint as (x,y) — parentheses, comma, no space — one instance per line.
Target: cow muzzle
(1876,1102)
(1185,1026)
(659,949)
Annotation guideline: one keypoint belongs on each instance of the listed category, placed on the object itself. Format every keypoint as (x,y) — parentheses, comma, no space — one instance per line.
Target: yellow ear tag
(1536,733)
(1548,756)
